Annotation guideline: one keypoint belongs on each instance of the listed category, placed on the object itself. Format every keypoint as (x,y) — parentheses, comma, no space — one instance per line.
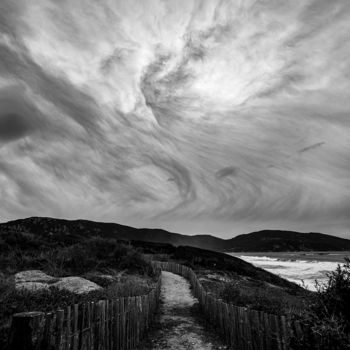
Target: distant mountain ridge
(266,240)
(271,240)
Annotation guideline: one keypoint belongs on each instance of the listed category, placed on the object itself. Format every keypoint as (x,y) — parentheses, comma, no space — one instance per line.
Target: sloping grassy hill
(60,229)
(37,235)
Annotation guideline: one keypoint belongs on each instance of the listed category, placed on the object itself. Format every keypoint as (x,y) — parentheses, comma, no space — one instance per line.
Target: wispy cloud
(191,115)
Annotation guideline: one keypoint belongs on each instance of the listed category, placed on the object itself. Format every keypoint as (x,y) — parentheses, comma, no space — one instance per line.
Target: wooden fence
(117,324)
(242,328)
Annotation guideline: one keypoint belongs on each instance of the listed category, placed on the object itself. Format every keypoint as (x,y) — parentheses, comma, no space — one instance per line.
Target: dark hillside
(64,230)
(268,240)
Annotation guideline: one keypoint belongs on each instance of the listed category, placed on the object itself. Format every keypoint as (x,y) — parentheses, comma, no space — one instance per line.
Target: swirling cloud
(199,116)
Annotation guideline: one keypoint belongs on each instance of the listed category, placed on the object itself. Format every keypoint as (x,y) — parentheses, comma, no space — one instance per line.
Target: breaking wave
(300,271)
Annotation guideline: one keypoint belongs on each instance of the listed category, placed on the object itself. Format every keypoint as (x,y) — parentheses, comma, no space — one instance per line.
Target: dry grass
(256,294)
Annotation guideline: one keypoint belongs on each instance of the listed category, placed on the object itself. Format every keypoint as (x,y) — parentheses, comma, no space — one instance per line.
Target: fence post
(21,334)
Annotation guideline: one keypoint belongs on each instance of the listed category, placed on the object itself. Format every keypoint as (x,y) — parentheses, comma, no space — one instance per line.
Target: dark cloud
(74,103)
(311,147)
(13,126)
(18,116)
(224,172)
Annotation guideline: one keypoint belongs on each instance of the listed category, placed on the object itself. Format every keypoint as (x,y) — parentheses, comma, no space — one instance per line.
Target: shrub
(77,259)
(260,298)
(134,261)
(130,287)
(328,313)
(19,251)
(333,298)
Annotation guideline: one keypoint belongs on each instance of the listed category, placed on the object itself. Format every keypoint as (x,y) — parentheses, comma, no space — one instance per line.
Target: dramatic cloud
(198,116)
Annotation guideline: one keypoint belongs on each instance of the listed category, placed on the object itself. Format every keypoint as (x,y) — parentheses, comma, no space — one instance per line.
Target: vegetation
(263,298)
(64,251)
(324,315)
(328,312)
(204,261)
(66,256)
(20,251)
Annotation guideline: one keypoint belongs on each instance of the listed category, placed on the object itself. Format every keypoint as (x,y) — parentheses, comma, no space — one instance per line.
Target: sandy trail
(177,327)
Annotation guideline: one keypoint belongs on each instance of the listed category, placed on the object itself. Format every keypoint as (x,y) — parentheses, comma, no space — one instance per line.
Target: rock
(32,286)
(77,285)
(33,276)
(36,280)
(109,278)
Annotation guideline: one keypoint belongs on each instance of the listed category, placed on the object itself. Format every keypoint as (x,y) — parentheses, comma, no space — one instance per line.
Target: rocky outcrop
(36,280)
(77,285)
(32,286)
(33,276)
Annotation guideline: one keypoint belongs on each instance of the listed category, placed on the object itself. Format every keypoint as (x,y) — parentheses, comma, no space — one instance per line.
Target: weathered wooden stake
(21,335)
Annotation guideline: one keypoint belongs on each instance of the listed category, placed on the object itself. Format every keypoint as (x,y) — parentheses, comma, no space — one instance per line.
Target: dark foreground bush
(324,315)
(270,300)
(21,251)
(328,313)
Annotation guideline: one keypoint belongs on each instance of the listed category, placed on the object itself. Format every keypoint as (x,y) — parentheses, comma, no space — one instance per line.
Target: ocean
(300,267)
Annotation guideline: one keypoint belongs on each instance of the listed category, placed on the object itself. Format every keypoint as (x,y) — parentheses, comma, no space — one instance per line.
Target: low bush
(21,251)
(324,315)
(270,300)
(327,315)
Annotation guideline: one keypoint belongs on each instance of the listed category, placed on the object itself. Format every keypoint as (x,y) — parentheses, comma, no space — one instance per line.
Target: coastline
(303,267)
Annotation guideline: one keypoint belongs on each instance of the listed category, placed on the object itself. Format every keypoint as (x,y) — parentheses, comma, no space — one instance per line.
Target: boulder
(33,276)
(36,280)
(32,286)
(77,285)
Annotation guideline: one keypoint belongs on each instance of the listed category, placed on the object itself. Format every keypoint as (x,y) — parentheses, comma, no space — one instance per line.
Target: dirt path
(177,326)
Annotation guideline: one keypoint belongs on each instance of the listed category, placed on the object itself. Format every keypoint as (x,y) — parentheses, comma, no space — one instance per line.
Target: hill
(267,240)
(280,241)
(77,254)
(59,229)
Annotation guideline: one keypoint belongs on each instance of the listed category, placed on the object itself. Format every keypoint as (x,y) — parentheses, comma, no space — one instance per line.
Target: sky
(219,117)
